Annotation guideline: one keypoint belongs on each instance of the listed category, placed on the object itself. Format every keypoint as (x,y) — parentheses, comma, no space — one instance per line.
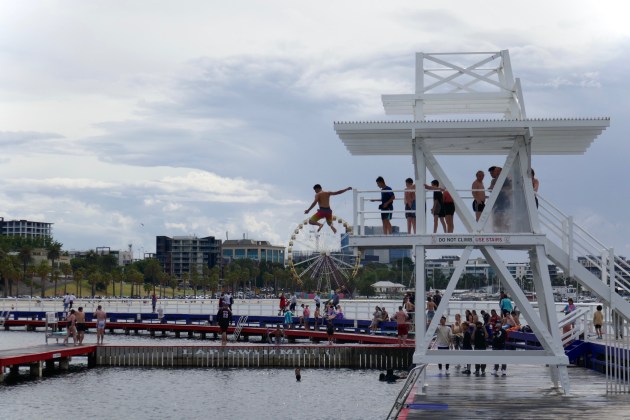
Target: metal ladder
(239,327)
(412,378)
(4,315)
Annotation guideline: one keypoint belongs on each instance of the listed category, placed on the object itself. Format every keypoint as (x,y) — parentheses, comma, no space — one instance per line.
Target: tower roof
(565,136)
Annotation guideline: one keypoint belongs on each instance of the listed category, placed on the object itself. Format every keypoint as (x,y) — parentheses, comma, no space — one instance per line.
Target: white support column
(420,171)
(540,329)
(420,318)
(460,266)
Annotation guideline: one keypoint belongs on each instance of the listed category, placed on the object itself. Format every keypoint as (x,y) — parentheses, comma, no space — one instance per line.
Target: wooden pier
(41,359)
(525,393)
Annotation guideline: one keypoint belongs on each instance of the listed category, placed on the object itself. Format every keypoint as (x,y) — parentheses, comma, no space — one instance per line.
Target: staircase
(399,404)
(567,241)
(4,315)
(239,327)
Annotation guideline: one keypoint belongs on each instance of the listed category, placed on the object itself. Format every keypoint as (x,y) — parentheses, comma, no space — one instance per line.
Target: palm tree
(152,271)
(94,278)
(79,274)
(66,270)
(185,280)
(25,255)
(55,275)
(117,276)
(4,269)
(172,281)
(54,252)
(42,271)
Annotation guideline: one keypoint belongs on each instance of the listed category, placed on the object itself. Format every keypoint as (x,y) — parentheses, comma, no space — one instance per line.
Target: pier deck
(525,393)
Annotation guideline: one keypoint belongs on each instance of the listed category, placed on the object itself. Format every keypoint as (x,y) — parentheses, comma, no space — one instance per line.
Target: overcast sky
(123,120)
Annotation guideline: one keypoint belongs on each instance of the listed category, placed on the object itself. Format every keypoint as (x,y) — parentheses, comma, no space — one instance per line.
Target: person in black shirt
(479,337)
(224,317)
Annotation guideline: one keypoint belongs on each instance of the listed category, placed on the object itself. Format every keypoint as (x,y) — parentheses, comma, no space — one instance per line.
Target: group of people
(478,331)
(443,208)
(76,326)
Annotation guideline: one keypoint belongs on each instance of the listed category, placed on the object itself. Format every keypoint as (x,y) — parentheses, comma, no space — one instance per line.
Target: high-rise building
(25,228)
(183,254)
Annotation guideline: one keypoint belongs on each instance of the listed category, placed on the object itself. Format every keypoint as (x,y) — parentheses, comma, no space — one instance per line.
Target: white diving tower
(484,86)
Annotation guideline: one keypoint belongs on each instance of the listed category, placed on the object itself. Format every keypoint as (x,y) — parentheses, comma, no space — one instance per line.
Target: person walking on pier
(101,318)
(224,316)
(322,198)
(81,328)
(153,302)
(71,328)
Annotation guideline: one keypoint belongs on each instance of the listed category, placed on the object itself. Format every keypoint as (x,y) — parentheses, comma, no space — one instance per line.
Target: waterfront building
(261,251)
(25,228)
(185,254)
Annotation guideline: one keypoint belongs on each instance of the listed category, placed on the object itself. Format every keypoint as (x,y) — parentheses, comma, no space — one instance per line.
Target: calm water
(192,393)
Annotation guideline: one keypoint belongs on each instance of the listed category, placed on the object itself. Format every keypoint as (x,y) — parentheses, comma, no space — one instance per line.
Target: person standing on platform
(71,300)
(317,315)
(535,185)
(431,307)
(317,299)
(503,202)
(479,337)
(322,198)
(410,205)
(386,206)
(153,302)
(449,211)
(505,304)
(283,304)
(71,327)
(438,205)
(66,303)
(293,304)
(224,317)
(498,343)
(101,318)
(306,315)
(466,343)
(81,328)
(402,326)
(444,339)
(335,299)
(598,321)
(479,194)
(330,329)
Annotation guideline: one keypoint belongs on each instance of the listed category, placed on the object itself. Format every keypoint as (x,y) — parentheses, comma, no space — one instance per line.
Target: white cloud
(120,124)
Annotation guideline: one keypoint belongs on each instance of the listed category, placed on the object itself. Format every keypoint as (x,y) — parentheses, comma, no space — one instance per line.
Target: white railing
(575,324)
(577,242)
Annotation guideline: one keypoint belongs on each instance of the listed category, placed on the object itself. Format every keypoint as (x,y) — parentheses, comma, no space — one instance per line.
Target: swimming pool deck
(525,393)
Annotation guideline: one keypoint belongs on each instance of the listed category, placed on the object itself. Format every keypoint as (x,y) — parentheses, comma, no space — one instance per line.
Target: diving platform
(470,104)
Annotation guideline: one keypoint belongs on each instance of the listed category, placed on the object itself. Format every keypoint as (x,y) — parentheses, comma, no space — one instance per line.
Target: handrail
(575,238)
(239,327)
(412,378)
(578,322)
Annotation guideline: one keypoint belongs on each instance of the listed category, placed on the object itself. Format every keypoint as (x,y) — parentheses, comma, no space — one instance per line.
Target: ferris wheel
(324,258)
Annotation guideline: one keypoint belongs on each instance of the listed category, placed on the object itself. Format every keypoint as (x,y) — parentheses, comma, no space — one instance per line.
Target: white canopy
(569,136)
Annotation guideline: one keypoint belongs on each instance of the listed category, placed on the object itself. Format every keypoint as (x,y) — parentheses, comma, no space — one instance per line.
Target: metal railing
(412,378)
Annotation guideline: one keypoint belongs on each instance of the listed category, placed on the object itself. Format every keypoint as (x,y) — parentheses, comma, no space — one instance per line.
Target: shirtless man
(479,194)
(322,198)
(101,317)
(502,204)
(80,315)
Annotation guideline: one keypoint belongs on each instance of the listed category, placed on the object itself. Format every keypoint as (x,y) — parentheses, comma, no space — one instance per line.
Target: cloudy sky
(123,120)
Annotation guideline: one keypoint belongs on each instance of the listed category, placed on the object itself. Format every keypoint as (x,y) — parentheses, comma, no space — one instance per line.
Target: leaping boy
(322,198)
